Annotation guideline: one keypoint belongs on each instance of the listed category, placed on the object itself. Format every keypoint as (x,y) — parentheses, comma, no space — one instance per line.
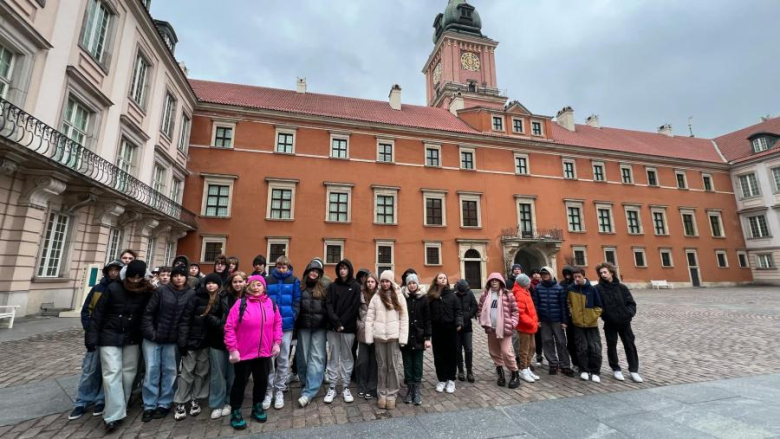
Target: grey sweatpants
(340,361)
(194,377)
(554,344)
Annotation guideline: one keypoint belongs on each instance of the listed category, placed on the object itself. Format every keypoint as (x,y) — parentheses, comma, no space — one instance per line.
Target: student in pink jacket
(253,334)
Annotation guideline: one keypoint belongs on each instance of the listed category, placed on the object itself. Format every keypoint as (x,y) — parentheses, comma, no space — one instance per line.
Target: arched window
(471,254)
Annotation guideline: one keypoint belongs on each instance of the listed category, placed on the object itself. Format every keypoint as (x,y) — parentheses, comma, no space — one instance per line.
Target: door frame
(697,266)
(481,247)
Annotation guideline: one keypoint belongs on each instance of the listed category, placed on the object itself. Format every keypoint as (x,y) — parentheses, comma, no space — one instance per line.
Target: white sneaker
(347,396)
(536,377)
(539,361)
(267,401)
(279,400)
(216,413)
(584,376)
(226,410)
(595,378)
(293,378)
(440,386)
(450,386)
(636,377)
(303,401)
(330,396)
(618,375)
(526,376)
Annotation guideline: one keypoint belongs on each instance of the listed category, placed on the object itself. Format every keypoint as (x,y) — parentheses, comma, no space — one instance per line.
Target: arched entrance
(472,267)
(529,259)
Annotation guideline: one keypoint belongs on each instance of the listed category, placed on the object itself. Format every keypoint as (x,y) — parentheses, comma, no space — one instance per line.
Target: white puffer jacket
(384,324)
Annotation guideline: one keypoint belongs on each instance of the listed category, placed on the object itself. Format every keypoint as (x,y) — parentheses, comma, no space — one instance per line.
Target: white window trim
(573,163)
(217,180)
(647,171)
(169,250)
(212,239)
(725,258)
(684,174)
(638,211)
(761,142)
(425,155)
(759,258)
(584,250)
(271,263)
(581,206)
(662,211)
(704,176)
(334,136)
(749,229)
(381,243)
(630,173)
(214,127)
(172,119)
(331,242)
(682,220)
(720,224)
(146,79)
(291,131)
(379,143)
(280,184)
(541,125)
(426,246)
(384,191)
(527,163)
(339,188)
(612,249)
(522,125)
(437,195)
(636,250)
(742,195)
(603,170)
(176,197)
(184,133)
(473,151)
(470,197)
(746,258)
(661,251)
(526,200)
(503,123)
(45,255)
(600,206)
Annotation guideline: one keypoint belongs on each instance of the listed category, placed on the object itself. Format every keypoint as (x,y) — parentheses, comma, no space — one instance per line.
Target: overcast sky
(637,64)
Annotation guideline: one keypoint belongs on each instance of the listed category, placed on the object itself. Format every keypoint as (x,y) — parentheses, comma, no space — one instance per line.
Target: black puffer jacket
(419,319)
(446,310)
(619,305)
(217,318)
(313,314)
(163,313)
(468,306)
(193,329)
(343,300)
(116,320)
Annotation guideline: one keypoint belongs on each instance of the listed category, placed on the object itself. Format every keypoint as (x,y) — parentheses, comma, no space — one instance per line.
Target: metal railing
(25,130)
(536,234)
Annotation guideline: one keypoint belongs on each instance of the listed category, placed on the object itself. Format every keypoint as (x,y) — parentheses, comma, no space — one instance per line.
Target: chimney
(593,121)
(184,69)
(301,85)
(457,104)
(666,129)
(565,118)
(395,97)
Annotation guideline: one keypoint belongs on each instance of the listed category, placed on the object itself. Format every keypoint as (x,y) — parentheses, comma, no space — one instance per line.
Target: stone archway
(529,259)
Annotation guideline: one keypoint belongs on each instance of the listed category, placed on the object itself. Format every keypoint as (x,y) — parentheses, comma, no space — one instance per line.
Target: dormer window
(760,144)
(472,86)
(465,13)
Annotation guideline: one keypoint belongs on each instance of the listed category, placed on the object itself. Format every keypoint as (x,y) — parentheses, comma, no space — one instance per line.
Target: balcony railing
(25,130)
(532,235)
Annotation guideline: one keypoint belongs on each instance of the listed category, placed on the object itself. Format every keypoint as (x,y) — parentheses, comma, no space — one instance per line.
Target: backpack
(242,308)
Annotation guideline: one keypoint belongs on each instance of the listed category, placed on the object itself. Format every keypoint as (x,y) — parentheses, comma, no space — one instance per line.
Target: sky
(638,64)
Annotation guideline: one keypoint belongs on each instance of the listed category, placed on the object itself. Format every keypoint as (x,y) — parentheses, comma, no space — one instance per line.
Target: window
(334,251)
(276,247)
(124,161)
(610,255)
(716,224)
(467,159)
(626,176)
(169,252)
(579,255)
(758,226)
(285,141)
(384,256)
(151,245)
(652,177)
(659,222)
(776,178)
(569,170)
(114,241)
(223,135)
(574,214)
(339,203)
(536,128)
(765,260)
(749,186)
(168,112)
(525,219)
(433,156)
(217,194)
(434,209)
(633,221)
(53,249)
(707,182)
(720,256)
(158,178)
(212,247)
(760,144)
(184,134)
(384,152)
(94,35)
(138,85)
(339,147)
(521,164)
(689,224)
(517,126)
(176,186)
(682,183)
(666,258)
(432,253)
(742,259)
(6,71)
(385,206)
(281,199)
(76,122)
(470,210)
(639,257)
(498,123)
(598,172)
(605,219)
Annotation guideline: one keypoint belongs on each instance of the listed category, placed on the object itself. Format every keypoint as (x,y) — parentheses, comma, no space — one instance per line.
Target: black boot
(514,382)
(410,392)
(469,362)
(417,398)
(501,377)
(461,376)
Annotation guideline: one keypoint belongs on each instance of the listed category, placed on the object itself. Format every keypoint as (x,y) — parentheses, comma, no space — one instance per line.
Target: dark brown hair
(367,295)
(609,267)
(434,291)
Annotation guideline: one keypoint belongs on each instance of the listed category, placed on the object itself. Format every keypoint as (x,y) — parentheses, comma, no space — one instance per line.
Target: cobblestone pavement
(683,336)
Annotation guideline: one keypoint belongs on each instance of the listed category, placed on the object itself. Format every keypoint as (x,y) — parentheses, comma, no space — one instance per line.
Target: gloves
(275,350)
(234,357)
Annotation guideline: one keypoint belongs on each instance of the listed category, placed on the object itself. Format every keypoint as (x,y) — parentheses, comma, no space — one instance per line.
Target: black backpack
(242,308)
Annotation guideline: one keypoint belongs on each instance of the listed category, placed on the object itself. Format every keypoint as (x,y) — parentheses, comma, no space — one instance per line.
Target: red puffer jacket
(528,321)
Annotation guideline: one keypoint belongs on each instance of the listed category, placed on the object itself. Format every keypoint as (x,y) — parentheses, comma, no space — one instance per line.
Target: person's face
(579,279)
(135,279)
(178,280)
(164,277)
(211,287)
(546,276)
(178,263)
(259,267)
(494,284)
(314,274)
(282,269)
(441,279)
(232,267)
(238,283)
(127,258)
(219,267)
(606,274)
(194,270)
(567,276)
(113,273)
(385,284)
(370,283)
(256,288)
(412,286)
(344,272)
(536,276)
(361,279)
(517,271)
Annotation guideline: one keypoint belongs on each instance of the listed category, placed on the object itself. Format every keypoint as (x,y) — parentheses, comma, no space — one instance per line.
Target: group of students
(203,336)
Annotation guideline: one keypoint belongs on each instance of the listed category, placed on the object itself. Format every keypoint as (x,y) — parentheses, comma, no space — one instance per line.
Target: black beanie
(462,286)
(136,268)
(180,270)
(213,278)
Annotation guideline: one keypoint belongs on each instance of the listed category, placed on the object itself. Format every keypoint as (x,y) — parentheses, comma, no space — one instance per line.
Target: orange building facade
(466,185)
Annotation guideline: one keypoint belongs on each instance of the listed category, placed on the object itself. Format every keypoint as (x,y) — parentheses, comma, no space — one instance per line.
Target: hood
(350,270)
(495,276)
(567,270)
(362,271)
(614,282)
(462,286)
(197,265)
(115,263)
(278,275)
(315,264)
(181,258)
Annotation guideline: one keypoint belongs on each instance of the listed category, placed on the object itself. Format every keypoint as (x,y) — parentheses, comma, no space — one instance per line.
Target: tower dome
(458,16)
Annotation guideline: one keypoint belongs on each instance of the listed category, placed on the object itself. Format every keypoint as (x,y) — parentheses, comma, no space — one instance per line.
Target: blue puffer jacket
(550,301)
(285,291)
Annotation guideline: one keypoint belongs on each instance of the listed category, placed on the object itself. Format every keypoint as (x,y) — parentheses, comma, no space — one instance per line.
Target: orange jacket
(528,321)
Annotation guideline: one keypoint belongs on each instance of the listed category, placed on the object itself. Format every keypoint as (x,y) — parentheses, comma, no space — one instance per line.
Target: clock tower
(462,63)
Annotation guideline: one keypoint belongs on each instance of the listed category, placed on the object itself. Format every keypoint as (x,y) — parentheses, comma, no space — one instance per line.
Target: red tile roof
(736,146)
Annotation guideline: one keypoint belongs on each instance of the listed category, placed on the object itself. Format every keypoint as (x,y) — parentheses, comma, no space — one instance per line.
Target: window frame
(287,132)
(184,133)
(334,138)
(710,216)
(668,251)
(103,59)
(752,180)
(705,177)
(648,170)
(522,125)
(69,124)
(765,224)
(470,197)
(501,121)
(429,146)
(610,217)
(638,250)
(168,122)
(467,150)
(142,100)
(525,157)
(612,249)
(718,254)
(530,200)
(114,243)
(437,195)
(385,142)
(338,188)
(603,167)
(51,227)
(581,209)
(692,213)
(280,184)
(7,80)
(437,246)
(384,243)
(332,242)
(573,163)
(151,251)
(623,167)
(584,250)
(160,185)
(217,180)
(385,192)
(662,212)
(177,189)
(762,266)
(761,143)
(270,242)
(215,127)
(638,211)
(677,174)
(540,124)
(742,259)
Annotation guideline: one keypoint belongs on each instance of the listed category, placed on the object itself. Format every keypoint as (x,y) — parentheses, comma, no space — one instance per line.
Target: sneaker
(237,421)
(98,409)
(258,413)
(361,394)
(147,416)
(440,387)
(595,378)
(450,386)
(347,396)
(536,377)
(267,401)
(77,412)
(618,375)
(180,412)
(303,401)
(584,376)
(194,408)
(279,400)
(161,412)
(526,376)
(539,360)
(369,396)
(226,410)
(330,396)
(567,371)
(216,413)
(636,377)
(111,426)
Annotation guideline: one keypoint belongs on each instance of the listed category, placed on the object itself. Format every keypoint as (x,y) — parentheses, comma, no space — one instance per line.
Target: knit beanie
(523,280)
(407,273)
(411,277)
(387,275)
(258,278)
(517,266)
(462,286)
(213,278)
(136,268)
(180,270)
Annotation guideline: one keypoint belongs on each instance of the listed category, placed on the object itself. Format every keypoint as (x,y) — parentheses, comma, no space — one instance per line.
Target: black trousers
(588,341)
(445,351)
(465,347)
(366,369)
(611,333)
(571,345)
(538,340)
(259,368)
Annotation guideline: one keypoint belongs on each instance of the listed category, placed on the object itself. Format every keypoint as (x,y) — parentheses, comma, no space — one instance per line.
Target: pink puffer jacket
(259,330)
(509,315)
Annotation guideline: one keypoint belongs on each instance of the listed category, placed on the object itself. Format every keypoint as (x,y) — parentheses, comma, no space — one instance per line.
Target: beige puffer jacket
(385,325)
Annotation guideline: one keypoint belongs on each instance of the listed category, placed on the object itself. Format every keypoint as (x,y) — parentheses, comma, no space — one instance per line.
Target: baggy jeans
(554,344)
(221,376)
(310,355)
(193,380)
(387,360)
(160,380)
(341,362)
(119,365)
(90,389)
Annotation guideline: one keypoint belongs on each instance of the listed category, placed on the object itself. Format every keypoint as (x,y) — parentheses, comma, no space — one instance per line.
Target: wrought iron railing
(535,234)
(23,129)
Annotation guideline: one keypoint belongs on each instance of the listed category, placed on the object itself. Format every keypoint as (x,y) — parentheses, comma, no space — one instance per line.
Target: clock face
(437,73)
(470,61)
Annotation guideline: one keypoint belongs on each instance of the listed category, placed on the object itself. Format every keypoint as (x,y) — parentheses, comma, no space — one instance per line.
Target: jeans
(445,351)
(221,376)
(193,382)
(277,377)
(588,344)
(119,365)
(387,360)
(413,365)
(160,381)
(90,389)
(310,353)
(260,369)
(554,344)
(611,333)
(341,361)
(366,368)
